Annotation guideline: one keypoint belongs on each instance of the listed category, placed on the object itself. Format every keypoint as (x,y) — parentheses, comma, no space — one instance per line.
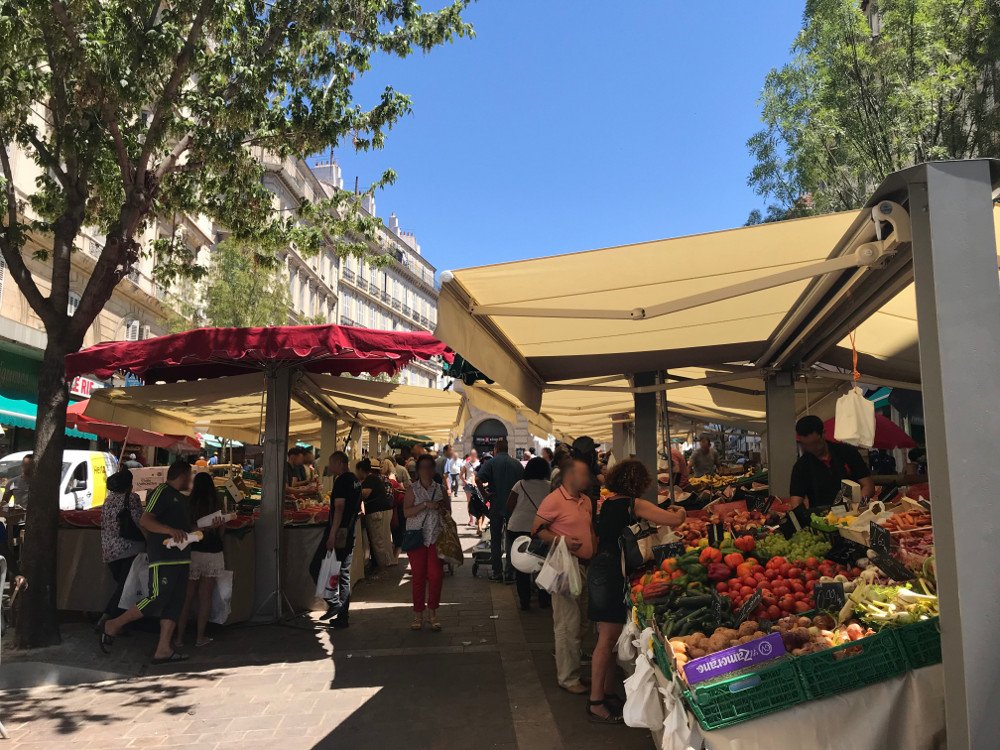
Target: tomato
(797,587)
(801,607)
(761,585)
(746,591)
(781,591)
(787,603)
(810,585)
(812,575)
(759,577)
(777,561)
(770,574)
(749,581)
(722,587)
(799,596)
(783,569)
(768,597)
(795,572)
(812,562)
(773,612)
(855,572)
(734,583)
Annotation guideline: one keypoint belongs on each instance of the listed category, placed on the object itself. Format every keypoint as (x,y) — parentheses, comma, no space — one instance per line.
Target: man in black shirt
(345,504)
(378,511)
(817,475)
(167,517)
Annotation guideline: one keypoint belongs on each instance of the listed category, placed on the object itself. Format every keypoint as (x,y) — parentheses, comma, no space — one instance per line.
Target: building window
(132,330)
(72,303)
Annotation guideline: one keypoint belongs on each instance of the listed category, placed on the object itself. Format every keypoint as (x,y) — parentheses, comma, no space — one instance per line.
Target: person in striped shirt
(166,517)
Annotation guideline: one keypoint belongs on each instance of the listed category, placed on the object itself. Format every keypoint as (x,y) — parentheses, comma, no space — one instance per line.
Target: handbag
(414,538)
(637,541)
(449,546)
(127,528)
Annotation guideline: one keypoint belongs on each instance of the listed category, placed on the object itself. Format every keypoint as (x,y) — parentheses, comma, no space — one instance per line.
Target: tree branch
(158,122)
(11,253)
(167,164)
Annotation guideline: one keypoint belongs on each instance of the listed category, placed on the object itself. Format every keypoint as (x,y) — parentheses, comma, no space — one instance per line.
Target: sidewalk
(486,681)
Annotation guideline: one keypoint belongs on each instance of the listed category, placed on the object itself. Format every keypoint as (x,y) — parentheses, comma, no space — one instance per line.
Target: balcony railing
(349,275)
(406,311)
(396,305)
(373,289)
(385,297)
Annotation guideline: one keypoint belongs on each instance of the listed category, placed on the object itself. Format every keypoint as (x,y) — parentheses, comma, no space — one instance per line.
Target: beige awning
(530,323)
(233,407)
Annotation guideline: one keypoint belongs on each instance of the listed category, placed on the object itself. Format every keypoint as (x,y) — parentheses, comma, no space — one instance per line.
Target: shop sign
(148,478)
(732,659)
(83,387)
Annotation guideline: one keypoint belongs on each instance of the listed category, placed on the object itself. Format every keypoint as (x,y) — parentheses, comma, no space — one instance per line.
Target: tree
(136,110)
(242,289)
(873,88)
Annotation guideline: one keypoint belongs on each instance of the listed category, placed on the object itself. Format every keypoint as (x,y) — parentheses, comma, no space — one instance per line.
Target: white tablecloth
(902,712)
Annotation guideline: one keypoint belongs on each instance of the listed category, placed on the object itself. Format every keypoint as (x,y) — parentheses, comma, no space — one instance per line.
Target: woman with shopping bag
(424,506)
(628,480)
(207,560)
(121,537)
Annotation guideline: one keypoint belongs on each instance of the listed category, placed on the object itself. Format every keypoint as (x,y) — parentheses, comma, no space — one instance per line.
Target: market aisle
(486,681)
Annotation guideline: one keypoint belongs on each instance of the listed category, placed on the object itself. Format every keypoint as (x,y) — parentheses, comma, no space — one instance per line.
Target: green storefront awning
(16,412)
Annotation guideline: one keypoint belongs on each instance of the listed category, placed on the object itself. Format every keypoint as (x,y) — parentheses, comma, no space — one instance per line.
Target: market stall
(269,383)
(817,297)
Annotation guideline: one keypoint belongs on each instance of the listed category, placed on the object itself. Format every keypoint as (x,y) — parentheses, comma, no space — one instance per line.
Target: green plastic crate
(660,652)
(746,696)
(851,665)
(920,642)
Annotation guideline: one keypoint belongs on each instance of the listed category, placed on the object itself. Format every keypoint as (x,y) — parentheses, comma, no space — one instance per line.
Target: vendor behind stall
(817,475)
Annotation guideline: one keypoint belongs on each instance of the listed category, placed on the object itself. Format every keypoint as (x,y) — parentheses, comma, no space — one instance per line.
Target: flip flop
(174,657)
(199,644)
(105,641)
(612,717)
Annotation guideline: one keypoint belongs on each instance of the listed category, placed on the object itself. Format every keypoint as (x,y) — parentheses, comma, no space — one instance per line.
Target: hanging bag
(637,542)
(328,580)
(855,420)
(127,528)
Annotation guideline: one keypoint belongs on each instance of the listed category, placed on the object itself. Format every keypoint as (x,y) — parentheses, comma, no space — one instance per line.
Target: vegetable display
(801,546)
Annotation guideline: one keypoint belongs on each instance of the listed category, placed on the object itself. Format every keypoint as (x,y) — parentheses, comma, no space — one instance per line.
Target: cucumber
(694,602)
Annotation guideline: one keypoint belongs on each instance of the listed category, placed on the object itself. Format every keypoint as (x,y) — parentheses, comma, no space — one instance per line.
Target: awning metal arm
(868,255)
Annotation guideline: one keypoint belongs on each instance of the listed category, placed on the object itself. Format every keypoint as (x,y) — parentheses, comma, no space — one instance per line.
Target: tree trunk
(38,624)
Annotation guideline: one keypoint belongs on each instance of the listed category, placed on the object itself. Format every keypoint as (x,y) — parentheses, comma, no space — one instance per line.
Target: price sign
(749,607)
(880,539)
(830,597)
(672,549)
(892,567)
(720,605)
(716,532)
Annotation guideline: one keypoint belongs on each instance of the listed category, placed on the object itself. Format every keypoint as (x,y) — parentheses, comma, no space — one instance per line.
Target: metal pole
(267,530)
(958,311)
(779,390)
(645,427)
(669,445)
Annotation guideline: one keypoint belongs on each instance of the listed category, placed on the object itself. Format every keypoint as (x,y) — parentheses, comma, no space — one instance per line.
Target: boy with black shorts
(167,516)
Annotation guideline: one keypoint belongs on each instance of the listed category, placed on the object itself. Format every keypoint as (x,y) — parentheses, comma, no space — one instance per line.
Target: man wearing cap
(495,480)
(378,511)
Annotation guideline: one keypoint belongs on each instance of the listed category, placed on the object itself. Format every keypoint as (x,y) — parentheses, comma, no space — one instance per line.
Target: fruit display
(736,522)
(831,521)
(803,635)
(802,545)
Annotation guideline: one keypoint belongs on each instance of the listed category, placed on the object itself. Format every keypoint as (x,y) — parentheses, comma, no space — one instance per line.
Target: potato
(748,627)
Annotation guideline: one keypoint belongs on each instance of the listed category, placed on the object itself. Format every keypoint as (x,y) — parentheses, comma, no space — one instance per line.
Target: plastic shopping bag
(625,647)
(680,731)
(222,598)
(643,706)
(136,583)
(328,579)
(855,420)
(552,576)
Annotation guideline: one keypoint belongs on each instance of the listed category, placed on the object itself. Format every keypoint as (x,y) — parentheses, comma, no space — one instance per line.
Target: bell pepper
(745,543)
(710,555)
(733,560)
(719,572)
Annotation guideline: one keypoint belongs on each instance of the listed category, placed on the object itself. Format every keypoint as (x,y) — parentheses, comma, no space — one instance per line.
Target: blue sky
(573,124)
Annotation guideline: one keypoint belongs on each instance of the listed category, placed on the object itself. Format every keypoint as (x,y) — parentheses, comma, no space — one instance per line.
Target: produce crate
(851,665)
(746,696)
(920,642)
(661,651)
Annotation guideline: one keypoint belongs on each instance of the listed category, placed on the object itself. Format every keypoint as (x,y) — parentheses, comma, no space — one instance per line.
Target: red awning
(216,352)
(888,434)
(76,418)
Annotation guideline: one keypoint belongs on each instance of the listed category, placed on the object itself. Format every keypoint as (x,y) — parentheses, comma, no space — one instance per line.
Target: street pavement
(487,680)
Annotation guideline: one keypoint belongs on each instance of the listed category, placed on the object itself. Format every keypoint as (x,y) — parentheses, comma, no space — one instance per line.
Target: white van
(84,476)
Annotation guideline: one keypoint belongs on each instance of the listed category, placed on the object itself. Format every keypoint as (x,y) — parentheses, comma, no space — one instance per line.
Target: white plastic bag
(552,576)
(222,598)
(329,577)
(643,706)
(855,420)
(136,583)
(680,732)
(626,642)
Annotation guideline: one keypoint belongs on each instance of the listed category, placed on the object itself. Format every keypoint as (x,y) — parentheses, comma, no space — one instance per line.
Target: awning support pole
(958,307)
(779,391)
(645,427)
(267,530)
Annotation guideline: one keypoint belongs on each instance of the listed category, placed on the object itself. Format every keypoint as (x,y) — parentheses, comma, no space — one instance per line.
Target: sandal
(613,701)
(418,622)
(174,657)
(105,640)
(613,717)
(435,622)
